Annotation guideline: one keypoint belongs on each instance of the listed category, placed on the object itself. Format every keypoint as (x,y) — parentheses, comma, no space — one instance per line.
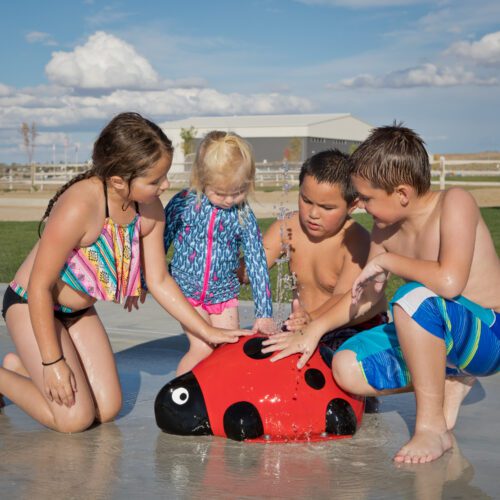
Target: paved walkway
(132,458)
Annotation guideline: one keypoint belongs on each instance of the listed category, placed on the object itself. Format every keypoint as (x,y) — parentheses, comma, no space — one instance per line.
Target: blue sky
(70,65)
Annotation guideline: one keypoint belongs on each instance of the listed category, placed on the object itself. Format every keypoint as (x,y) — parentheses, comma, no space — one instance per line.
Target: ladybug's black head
(180,408)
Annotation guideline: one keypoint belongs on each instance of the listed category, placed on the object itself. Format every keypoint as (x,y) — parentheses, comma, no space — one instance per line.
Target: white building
(274,137)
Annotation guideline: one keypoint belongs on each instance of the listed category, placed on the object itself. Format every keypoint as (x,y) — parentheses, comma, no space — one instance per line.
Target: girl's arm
(273,248)
(64,231)
(164,288)
(256,265)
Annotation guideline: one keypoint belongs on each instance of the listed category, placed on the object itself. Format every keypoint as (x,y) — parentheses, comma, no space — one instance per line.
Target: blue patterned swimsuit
(207,241)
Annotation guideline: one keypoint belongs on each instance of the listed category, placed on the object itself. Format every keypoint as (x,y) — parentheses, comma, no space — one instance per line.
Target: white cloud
(425,75)
(40,37)
(68,110)
(5,90)
(485,51)
(103,62)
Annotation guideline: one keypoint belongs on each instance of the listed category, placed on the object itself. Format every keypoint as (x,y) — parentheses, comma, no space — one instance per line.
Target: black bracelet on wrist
(54,362)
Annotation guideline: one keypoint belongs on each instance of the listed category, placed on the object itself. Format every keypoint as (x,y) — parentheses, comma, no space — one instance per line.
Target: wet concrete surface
(132,458)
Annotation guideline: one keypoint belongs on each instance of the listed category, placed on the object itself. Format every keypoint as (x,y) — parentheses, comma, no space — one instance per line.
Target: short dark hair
(393,155)
(332,167)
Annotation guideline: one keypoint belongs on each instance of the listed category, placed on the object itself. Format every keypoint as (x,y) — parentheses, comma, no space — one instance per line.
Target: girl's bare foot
(425,446)
(455,390)
(13,362)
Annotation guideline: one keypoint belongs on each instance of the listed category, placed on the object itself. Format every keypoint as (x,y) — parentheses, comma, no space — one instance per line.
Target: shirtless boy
(446,328)
(327,248)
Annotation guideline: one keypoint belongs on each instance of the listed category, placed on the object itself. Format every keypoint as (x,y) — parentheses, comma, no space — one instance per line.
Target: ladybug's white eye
(180,396)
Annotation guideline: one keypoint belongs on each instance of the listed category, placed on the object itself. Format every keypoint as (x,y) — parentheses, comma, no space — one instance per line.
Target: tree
(29,135)
(353,148)
(295,149)
(188,135)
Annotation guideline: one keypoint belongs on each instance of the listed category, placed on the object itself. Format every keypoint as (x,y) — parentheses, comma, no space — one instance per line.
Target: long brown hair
(127,147)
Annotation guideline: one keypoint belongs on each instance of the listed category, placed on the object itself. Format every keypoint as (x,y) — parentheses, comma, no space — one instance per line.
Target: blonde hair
(221,159)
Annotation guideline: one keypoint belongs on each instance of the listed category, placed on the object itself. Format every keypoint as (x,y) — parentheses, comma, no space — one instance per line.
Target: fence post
(442,173)
(32,175)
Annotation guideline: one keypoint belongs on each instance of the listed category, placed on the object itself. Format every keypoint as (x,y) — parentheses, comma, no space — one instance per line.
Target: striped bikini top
(109,268)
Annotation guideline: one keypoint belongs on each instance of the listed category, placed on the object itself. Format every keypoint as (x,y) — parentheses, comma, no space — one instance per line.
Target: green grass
(17,239)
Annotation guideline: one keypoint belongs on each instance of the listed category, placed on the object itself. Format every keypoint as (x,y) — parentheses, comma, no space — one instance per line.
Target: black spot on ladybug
(315,379)
(326,355)
(340,418)
(242,421)
(253,348)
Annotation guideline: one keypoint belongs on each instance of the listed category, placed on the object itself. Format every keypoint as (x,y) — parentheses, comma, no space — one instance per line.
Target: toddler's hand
(267,326)
(221,336)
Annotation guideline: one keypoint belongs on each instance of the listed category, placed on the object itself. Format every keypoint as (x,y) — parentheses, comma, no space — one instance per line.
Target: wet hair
(393,155)
(223,158)
(127,147)
(332,167)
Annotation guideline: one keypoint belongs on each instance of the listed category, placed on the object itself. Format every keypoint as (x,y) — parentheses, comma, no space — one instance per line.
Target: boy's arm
(448,276)
(344,311)
(354,258)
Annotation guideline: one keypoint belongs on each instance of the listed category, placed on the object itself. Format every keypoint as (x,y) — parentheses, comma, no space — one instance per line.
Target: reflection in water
(360,468)
(448,477)
(48,464)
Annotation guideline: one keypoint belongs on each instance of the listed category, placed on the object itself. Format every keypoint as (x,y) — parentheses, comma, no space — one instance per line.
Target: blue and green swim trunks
(471,334)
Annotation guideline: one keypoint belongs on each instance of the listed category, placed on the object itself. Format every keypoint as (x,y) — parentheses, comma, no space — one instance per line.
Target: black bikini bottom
(66,318)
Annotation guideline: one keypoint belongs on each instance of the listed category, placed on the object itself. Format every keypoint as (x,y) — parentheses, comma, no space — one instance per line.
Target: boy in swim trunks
(327,249)
(446,328)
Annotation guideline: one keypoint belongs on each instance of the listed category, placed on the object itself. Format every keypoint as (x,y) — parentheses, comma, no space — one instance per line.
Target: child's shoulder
(184,194)
(182,197)
(83,195)
(458,196)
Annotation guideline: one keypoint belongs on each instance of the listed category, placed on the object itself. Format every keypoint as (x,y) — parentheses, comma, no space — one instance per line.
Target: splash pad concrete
(132,458)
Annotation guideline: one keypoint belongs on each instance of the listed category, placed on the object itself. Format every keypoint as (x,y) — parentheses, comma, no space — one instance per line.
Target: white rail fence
(39,177)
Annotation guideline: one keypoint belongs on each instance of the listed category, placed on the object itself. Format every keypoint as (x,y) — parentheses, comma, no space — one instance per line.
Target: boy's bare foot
(13,362)
(425,446)
(455,390)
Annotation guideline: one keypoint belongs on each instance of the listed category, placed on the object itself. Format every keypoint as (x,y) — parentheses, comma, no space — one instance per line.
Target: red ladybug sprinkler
(238,393)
